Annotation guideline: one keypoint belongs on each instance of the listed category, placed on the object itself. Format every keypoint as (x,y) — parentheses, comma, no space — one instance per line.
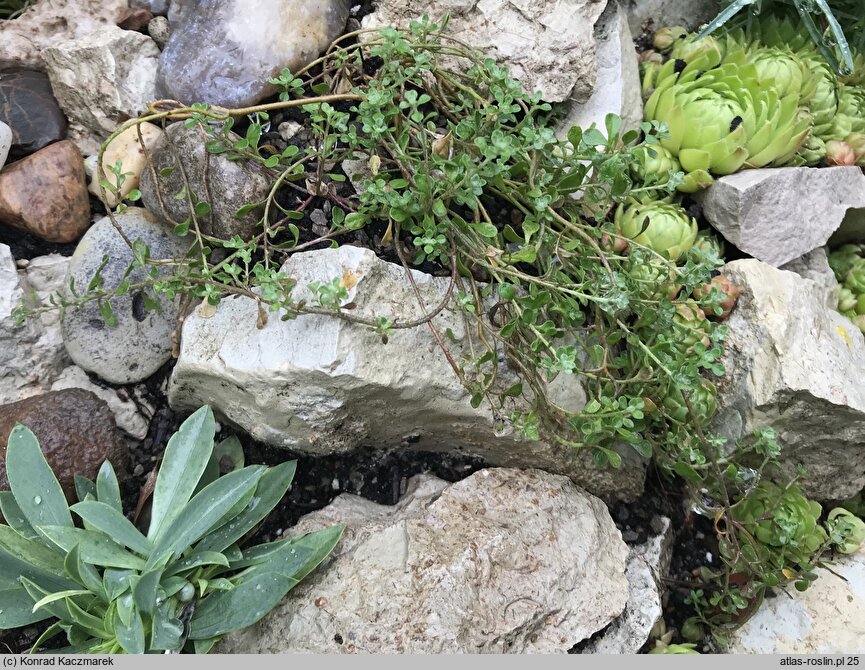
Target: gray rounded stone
(5,142)
(141,342)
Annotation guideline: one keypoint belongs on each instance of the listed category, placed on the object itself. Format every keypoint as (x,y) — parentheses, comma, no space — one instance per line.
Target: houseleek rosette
(660,225)
(850,117)
(779,68)
(722,119)
(783,519)
(654,164)
(703,400)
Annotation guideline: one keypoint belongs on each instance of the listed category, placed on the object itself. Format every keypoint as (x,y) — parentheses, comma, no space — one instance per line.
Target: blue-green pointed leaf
(226,611)
(116,582)
(186,457)
(144,592)
(130,634)
(271,488)
(108,488)
(167,630)
(198,559)
(96,548)
(206,509)
(84,573)
(107,519)
(15,517)
(17,609)
(84,487)
(32,482)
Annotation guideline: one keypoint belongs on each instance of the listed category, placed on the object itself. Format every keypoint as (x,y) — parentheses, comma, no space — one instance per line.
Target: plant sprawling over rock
(567,257)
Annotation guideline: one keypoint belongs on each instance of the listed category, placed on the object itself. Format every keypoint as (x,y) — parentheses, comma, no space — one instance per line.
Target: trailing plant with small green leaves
(179,586)
(569,254)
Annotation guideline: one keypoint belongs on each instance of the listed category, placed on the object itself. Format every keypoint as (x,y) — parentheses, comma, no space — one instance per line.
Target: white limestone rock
(618,86)
(32,354)
(505,561)
(779,214)
(797,366)
(548,45)
(321,385)
(102,79)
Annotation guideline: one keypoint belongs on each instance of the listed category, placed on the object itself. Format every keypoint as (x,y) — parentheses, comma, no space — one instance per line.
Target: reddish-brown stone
(46,194)
(76,431)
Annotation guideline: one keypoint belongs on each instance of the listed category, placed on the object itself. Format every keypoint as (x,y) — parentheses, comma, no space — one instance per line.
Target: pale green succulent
(847,530)
(850,117)
(779,68)
(655,163)
(723,119)
(660,225)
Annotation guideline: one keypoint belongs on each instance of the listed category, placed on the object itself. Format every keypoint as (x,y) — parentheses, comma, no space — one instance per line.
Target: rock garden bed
(558,312)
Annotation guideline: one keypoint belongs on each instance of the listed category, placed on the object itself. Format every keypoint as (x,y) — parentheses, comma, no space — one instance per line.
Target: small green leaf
(84,574)
(15,517)
(60,595)
(84,487)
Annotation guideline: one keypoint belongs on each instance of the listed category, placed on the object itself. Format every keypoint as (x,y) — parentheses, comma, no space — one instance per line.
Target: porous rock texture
(319,384)
(548,45)
(779,214)
(223,52)
(23,40)
(648,565)
(102,80)
(31,354)
(796,366)
(76,432)
(181,163)
(828,618)
(141,342)
(505,561)
(618,87)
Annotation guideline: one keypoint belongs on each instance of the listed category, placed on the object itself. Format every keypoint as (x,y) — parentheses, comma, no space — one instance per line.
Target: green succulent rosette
(654,164)
(660,225)
(783,519)
(655,278)
(855,277)
(850,117)
(690,328)
(812,152)
(702,398)
(723,119)
(847,530)
(844,258)
(708,244)
(779,68)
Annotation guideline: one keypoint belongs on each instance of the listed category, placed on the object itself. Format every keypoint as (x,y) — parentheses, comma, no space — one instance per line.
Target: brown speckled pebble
(75,429)
(46,194)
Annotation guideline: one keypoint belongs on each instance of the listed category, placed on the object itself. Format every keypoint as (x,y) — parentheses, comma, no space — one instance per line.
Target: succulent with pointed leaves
(703,400)
(725,291)
(722,119)
(784,520)
(850,117)
(846,529)
(839,154)
(660,225)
